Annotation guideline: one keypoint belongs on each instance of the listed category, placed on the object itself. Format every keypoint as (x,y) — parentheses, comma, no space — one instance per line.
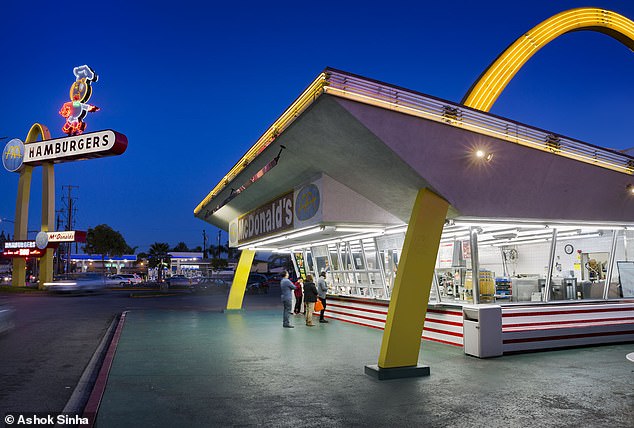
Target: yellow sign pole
(48,220)
(236,294)
(20,230)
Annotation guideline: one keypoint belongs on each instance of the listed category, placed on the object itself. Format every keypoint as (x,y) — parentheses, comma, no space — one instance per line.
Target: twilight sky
(193,84)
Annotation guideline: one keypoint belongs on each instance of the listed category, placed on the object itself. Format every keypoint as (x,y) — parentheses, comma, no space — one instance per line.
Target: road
(43,357)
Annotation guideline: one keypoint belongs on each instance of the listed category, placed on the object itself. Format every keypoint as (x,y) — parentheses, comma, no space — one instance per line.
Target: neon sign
(80,92)
(21,249)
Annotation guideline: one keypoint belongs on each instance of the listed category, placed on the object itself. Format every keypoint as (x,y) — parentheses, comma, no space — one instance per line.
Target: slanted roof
(386,142)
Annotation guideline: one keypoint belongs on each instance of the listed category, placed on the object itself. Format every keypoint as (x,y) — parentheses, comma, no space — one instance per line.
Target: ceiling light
(481,154)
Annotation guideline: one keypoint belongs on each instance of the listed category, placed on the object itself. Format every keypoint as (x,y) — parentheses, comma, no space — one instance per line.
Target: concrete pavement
(200,369)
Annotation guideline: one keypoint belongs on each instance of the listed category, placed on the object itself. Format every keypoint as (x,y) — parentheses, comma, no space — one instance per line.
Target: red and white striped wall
(540,327)
(524,328)
(442,324)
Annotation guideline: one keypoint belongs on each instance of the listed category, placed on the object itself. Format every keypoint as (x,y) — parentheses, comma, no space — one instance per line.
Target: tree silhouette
(105,241)
(158,257)
(181,247)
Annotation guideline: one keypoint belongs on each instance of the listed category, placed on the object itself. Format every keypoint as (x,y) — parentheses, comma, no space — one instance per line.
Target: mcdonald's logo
(13,155)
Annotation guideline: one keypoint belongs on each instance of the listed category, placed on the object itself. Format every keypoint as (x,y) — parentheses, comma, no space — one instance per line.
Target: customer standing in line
(287,288)
(322,288)
(298,295)
(310,297)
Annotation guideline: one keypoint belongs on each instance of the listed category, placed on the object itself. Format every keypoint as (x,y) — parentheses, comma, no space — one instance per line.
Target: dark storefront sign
(275,216)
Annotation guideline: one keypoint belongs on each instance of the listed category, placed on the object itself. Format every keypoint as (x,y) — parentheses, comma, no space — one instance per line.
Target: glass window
(580,264)
(321,257)
(389,249)
(334,256)
(621,281)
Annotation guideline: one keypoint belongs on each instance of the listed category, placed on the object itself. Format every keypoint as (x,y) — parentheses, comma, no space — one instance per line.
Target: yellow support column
(408,306)
(48,221)
(18,278)
(22,207)
(236,294)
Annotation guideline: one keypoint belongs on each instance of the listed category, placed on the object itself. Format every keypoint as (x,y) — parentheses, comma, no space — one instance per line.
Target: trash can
(482,330)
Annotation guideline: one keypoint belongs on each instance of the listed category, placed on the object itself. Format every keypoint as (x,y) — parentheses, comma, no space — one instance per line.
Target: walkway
(200,369)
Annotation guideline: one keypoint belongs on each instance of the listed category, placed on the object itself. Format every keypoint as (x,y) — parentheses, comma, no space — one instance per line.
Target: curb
(94,401)
(79,398)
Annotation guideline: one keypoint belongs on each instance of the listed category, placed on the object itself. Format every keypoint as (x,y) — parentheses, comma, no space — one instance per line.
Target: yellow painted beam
(492,82)
(408,305)
(18,277)
(236,294)
(22,203)
(48,220)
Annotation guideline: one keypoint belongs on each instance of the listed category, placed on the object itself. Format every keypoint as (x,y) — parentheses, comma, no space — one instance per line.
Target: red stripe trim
(567,336)
(364,302)
(424,328)
(439,311)
(380,328)
(357,316)
(535,324)
(356,309)
(94,401)
(435,311)
(435,330)
(563,312)
(453,323)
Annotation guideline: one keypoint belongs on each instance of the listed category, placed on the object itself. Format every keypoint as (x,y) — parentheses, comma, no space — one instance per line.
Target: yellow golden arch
(492,82)
(22,210)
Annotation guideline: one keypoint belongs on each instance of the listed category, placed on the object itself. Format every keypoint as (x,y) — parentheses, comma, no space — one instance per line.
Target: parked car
(132,277)
(82,283)
(257,284)
(179,281)
(5,279)
(274,279)
(210,284)
(117,281)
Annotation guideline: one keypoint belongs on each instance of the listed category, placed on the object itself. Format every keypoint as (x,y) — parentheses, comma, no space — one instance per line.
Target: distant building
(115,264)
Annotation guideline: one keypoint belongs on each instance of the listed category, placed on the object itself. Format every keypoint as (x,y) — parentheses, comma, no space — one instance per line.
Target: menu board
(445,255)
(299,262)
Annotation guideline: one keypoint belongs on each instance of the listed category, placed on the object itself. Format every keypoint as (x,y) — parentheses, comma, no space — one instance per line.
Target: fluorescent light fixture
(359,229)
(299,234)
(400,229)
(544,239)
(307,232)
(519,223)
(271,249)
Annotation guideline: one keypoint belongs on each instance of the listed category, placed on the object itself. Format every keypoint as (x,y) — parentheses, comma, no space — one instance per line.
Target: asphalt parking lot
(43,357)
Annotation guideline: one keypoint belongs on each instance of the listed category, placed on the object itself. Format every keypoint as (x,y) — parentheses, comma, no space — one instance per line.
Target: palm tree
(157,256)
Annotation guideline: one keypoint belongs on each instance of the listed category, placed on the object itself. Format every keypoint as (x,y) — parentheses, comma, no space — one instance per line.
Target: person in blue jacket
(287,288)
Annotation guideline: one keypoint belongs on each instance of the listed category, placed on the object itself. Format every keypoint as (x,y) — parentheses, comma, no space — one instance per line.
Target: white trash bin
(482,330)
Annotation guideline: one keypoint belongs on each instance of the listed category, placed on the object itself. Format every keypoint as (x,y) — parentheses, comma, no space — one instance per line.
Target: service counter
(519,327)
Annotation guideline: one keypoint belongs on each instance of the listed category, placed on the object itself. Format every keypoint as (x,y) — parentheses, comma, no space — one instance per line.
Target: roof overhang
(386,143)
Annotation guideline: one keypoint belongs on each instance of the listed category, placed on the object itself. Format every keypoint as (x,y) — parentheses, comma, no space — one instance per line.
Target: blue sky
(194,84)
